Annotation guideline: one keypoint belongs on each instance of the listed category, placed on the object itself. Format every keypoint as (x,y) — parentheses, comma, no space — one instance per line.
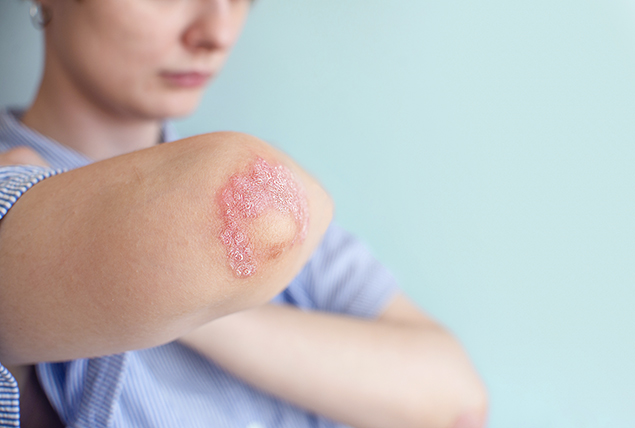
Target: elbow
(467,403)
(270,217)
(464,409)
(470,401)
(452,393)
(243,221)
(263,211)
(473,414)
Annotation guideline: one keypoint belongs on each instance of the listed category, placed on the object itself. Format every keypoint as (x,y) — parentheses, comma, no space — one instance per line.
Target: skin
(104,93)
(401,369)
(151,223)
(265,195)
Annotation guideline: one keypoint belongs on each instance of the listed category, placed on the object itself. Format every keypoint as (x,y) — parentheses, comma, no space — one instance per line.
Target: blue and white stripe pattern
(16,180)
(9,400)
(172,386)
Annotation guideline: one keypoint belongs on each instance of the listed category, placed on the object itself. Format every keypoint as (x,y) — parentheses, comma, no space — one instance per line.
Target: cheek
(115,54)
(142,43)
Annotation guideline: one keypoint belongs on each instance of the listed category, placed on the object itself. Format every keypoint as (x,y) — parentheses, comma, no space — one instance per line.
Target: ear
(41,13)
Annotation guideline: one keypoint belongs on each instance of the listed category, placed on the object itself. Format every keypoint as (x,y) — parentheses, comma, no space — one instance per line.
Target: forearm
(361,372)
(126,253)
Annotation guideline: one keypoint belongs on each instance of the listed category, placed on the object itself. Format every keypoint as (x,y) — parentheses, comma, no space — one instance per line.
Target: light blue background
(484,150)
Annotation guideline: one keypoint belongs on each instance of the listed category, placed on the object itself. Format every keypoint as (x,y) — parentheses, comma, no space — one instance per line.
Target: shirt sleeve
(14,181)
(9,400)
(343,277)
(17,179)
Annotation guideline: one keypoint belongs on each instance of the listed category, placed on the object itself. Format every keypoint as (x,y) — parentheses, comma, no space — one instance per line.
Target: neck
(63,113)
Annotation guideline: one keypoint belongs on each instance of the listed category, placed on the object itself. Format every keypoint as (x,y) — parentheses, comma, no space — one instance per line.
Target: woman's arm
(401,370)
(127,253)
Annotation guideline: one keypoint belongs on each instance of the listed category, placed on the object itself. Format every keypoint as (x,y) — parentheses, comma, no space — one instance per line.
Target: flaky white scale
(249,195)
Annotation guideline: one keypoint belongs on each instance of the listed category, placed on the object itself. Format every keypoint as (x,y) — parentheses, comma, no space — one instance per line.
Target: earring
(40,16)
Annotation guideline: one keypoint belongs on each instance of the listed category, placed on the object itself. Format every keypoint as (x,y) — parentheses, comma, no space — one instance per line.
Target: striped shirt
(9,398)
(170,385)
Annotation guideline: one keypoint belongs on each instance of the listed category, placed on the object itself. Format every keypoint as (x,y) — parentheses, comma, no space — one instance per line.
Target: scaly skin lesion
(265,198)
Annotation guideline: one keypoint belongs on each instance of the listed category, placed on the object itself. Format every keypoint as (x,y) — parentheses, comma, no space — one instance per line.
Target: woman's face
(142,58)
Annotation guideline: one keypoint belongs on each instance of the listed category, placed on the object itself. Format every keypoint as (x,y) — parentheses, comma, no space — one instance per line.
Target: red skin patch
(246,197)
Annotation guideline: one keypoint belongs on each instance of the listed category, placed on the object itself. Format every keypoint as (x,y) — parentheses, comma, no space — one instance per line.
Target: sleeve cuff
(17,179)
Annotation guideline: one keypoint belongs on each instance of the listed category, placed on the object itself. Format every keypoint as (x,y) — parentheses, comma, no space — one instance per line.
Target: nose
(215,26)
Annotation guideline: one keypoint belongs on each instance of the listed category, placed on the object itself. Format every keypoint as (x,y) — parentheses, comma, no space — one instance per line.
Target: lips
(188,79)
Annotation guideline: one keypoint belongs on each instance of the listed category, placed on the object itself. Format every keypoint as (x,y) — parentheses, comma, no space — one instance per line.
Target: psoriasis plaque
(263,188)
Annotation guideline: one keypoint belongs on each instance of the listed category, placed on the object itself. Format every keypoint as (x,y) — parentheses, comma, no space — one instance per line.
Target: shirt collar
(55,154)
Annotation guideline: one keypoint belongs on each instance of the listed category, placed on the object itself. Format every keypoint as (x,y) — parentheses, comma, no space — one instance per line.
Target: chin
(175,106)
(173,111)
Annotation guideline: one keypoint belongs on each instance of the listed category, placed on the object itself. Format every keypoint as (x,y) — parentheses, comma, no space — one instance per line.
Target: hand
(21,156)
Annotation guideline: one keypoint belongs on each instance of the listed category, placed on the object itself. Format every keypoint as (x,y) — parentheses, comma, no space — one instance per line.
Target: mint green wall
(485,151)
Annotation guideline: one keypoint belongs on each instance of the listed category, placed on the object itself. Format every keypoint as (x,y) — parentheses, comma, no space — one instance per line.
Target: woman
(81,250)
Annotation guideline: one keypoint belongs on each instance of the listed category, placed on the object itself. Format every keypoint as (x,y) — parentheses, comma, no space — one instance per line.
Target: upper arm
(128,253)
